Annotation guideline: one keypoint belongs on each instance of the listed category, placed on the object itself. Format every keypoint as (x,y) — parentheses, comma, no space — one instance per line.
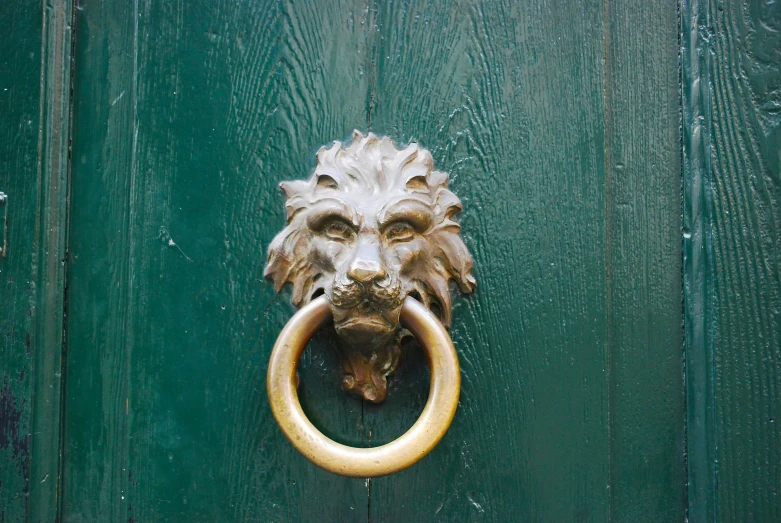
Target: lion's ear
(277,270)
(284,266)
(295,200)
(325,181)
(449,204)
(293,188)
(450,248)
(438,179)
(279,261)
(417,184)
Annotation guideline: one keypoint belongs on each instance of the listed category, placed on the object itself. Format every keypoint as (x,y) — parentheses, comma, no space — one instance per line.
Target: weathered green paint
(186,118)
(34,125)
(19,123)
(700,440)
(732,81)
(559,124)
(569,166)
(643,189)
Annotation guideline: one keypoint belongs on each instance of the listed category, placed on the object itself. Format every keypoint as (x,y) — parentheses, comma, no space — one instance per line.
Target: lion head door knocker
(371,245)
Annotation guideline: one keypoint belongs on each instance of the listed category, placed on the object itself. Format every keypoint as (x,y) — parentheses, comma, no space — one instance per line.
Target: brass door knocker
(370,246)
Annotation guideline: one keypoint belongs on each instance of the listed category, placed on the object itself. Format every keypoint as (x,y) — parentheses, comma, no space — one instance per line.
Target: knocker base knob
(340,459)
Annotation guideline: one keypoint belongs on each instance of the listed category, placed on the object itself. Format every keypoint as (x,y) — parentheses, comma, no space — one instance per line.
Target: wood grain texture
(530,439)
(643,187)
(20,69)
(187,116)
(746,140)
(741,173)
(34,135)
(697,263)
(572,395)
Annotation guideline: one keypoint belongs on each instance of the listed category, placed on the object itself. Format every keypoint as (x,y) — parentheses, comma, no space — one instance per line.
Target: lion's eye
(338,230)
(400,231)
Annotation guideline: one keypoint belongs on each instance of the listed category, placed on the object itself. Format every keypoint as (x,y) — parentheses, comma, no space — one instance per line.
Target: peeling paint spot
(118,98)
(166,238)
(474,502)
(13,430)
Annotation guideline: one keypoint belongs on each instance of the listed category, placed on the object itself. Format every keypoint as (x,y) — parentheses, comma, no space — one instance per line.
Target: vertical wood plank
(51,249)
(188,115)
(745,85)
(697,262)
(510,99)
(95,449)
(643,187)
(20,70)
(34,136)
(738,102)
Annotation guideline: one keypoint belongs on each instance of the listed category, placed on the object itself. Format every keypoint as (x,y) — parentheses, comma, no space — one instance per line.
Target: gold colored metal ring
(364,462)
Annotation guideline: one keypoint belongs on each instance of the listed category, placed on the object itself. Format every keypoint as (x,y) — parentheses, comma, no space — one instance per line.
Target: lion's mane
(374,165)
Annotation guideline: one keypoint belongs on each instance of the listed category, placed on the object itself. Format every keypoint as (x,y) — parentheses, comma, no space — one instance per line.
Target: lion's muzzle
(348,293)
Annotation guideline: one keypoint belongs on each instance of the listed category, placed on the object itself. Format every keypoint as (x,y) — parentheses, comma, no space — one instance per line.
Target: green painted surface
(700,440)
(34,121)
(643,189)
(19,122)
(559,124)
(732,69)
(186,117)
(568,163)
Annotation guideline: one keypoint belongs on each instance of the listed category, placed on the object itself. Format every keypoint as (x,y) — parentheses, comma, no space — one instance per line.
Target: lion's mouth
(375,322)
(365,323)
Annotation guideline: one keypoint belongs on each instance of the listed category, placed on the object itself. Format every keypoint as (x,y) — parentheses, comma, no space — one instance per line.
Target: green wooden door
(146,172)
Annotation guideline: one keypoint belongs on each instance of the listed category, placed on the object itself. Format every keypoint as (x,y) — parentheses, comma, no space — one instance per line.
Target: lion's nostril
(366,271)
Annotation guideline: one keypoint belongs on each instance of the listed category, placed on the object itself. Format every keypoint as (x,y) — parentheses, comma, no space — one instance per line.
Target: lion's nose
(365,271)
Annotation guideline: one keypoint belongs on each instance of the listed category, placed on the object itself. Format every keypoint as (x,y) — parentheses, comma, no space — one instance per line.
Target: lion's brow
(327,208)
(413,210)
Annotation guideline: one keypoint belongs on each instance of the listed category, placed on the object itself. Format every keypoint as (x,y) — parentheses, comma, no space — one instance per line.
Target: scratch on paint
(14,428)
(477,505)
(118,98)
(172,244)
(165,237)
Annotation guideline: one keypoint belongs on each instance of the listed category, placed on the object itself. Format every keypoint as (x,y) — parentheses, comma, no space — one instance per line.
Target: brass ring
(364,462)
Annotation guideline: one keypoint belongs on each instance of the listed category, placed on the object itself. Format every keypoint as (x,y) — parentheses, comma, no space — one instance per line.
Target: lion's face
(372,225)
(371,251)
